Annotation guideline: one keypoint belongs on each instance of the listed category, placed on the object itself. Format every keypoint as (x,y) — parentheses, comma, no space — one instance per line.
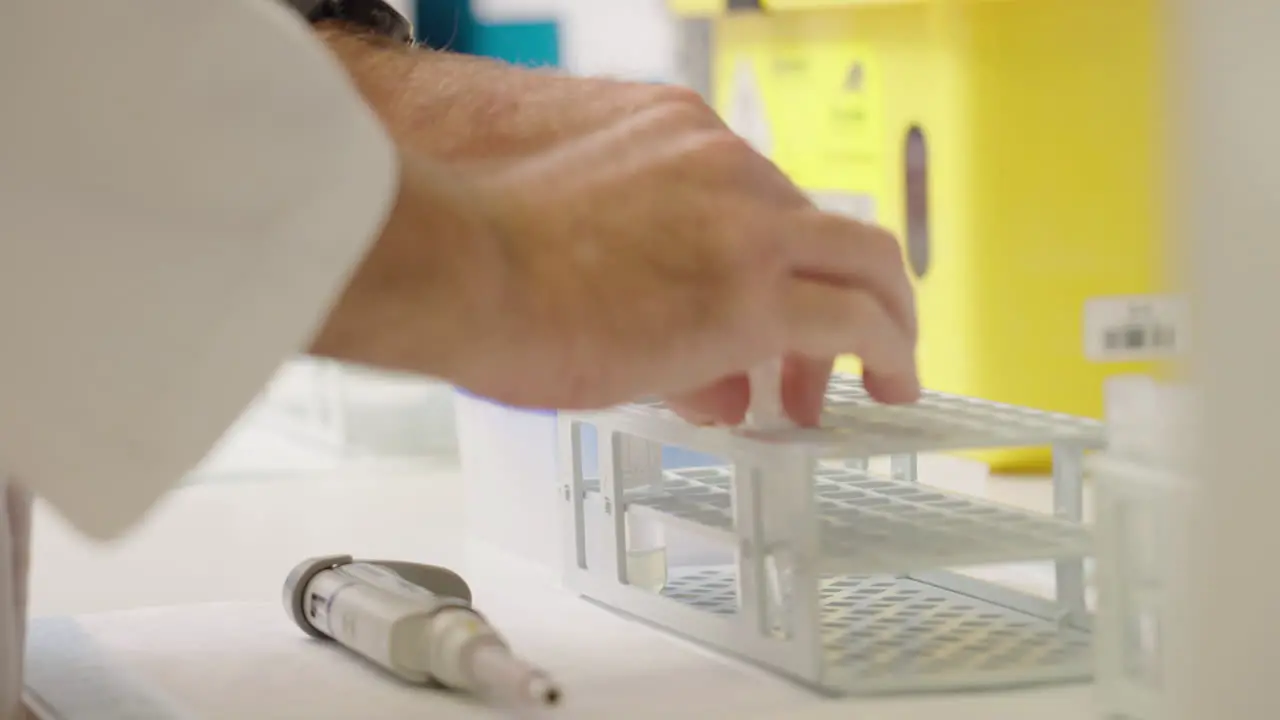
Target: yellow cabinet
(1015,145)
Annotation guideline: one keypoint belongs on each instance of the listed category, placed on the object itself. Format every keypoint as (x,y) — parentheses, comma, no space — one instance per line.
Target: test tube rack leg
(844,579)
(1139,508)
(1143,498)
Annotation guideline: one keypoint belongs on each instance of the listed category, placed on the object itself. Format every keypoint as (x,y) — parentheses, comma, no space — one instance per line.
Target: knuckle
(682,96)
(869,337)
(875,246)
(770,253)
(884,248)
(678,94)
(761,257)
(725,149)
(747,261)
(687,108)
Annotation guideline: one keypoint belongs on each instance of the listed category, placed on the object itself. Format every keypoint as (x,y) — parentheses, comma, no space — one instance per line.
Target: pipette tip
(543,692)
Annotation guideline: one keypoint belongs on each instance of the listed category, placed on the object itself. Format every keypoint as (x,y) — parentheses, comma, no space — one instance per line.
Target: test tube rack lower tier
(838,577)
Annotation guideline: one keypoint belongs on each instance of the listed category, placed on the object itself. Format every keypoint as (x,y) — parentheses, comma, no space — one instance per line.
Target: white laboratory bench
(187,611)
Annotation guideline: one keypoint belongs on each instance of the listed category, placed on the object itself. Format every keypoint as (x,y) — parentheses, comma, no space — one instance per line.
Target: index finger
(825,319)
(804,388)
(842,251)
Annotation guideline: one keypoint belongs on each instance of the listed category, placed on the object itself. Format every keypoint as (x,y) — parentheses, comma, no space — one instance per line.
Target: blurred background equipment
(1016,147)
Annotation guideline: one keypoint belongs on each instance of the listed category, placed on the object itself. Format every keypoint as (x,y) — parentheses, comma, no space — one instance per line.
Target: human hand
(637,247)
(660,254)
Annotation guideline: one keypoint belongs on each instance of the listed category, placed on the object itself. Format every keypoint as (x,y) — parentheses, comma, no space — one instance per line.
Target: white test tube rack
(837,577)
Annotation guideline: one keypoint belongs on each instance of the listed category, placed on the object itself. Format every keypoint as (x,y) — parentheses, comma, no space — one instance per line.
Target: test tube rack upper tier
(839,577)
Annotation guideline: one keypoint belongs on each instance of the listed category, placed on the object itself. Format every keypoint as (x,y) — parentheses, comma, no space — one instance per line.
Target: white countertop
(217,642)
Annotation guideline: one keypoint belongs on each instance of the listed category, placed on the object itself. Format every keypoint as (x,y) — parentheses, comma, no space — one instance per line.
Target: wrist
(381,68)
(428,282)
(436,103)
(464,109)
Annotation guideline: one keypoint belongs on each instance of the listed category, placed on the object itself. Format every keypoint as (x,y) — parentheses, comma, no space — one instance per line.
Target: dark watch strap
(376,16)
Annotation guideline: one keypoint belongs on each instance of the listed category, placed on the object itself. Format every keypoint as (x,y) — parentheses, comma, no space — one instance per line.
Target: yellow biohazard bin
(1015,146)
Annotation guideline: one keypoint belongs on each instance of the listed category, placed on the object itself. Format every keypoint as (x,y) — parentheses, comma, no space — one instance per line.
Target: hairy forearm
(444,105)
(451,116)
(461,108)
(408,305)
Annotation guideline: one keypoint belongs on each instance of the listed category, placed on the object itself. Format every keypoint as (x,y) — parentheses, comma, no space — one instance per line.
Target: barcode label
(1137,338)
(1137,327)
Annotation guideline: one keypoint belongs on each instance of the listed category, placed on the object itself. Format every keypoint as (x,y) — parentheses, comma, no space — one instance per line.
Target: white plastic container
(1143,496)
(510,465)
(319,415)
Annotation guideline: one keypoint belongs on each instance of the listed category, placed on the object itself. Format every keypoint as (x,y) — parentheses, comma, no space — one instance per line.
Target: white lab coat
(185,186)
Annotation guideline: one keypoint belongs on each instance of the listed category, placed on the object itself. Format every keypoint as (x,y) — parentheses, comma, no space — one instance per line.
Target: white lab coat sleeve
(185,188)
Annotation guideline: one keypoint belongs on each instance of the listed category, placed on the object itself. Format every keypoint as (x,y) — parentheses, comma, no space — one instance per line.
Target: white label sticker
(1136,327)
(860,207)
(747,115)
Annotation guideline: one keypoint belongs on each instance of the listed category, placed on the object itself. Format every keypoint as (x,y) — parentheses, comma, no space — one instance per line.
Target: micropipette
(414,621)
